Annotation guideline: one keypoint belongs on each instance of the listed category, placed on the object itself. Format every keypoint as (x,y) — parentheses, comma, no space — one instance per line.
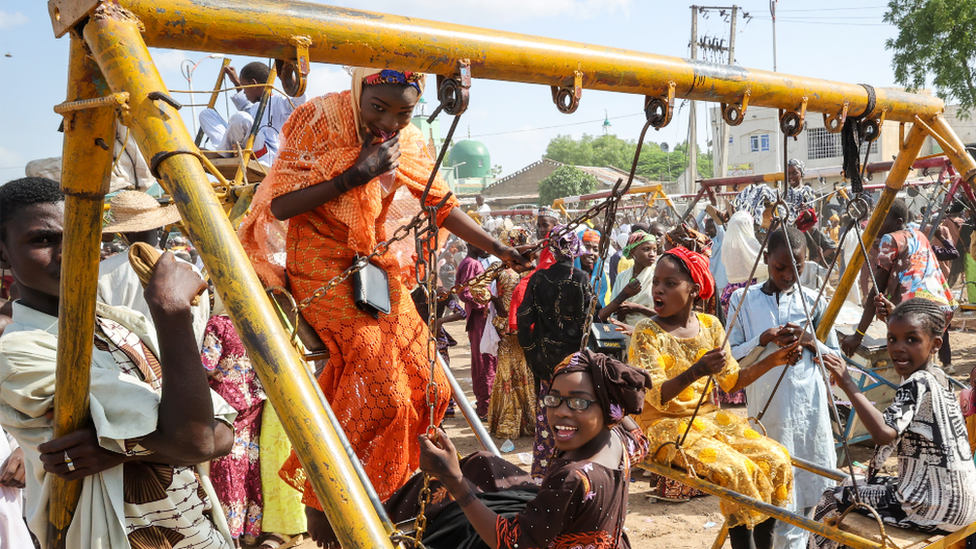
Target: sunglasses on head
(575,403)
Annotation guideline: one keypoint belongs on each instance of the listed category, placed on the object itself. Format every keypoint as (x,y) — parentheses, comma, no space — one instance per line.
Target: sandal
(281,541)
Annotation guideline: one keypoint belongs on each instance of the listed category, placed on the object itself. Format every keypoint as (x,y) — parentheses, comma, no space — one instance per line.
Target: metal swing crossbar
(109,51)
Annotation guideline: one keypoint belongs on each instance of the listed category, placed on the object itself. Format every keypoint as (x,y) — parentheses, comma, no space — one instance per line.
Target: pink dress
(236,477)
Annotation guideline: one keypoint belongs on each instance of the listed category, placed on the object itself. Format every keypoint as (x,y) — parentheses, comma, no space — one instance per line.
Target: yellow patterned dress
(511,410)
(721,446)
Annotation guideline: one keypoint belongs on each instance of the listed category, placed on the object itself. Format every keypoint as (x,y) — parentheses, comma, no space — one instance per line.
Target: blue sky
(833,39)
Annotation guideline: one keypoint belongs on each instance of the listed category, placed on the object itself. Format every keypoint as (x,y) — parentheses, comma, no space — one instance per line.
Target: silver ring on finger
(69,462)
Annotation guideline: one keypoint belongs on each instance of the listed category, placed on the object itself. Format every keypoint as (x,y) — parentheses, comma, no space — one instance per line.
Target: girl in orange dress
(351,170)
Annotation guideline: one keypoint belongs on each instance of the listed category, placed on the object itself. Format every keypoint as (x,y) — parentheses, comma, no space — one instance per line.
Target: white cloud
(10,20)
(169,60)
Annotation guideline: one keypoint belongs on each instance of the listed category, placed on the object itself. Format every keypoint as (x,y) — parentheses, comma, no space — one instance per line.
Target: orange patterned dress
(376,377)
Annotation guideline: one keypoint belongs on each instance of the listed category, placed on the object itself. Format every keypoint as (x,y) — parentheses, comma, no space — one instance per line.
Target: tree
(605,150)
(565,181)
(496,171)
(609,150)
(937,38)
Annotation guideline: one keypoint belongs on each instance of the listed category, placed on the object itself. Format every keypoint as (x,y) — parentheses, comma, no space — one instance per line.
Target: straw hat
(134,211)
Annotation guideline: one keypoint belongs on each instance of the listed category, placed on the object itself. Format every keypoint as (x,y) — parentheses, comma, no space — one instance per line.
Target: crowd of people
(184,450)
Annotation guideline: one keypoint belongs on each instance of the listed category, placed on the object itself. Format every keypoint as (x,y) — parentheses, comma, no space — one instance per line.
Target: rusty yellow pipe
(810,525)
(896,179)
(266,28)
(117,46)
(956,151)
(114,100)
(84,180)
(259,116)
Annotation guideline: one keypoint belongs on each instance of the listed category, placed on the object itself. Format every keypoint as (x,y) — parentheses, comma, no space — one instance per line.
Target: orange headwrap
(589,235)
(697,266)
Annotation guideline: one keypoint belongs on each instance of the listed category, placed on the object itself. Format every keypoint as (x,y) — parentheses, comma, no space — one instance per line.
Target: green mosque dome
(471,158)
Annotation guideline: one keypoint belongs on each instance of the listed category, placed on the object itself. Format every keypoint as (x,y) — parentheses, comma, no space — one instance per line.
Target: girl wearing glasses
(680,350)
(485,501)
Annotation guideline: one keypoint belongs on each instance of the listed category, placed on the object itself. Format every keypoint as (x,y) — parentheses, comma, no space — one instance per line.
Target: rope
(735,316)
(852,139)
(807,325)
(823,372)
(609,216)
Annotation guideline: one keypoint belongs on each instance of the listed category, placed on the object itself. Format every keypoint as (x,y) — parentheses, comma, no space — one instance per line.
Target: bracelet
(859,332)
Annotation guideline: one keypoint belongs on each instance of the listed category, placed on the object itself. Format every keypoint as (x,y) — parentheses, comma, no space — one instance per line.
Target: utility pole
(693,114)
(724,169)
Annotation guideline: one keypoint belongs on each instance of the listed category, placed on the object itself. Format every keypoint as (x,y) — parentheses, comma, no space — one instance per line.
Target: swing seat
(904,538)
(312,345)
(228,166)
(856,530)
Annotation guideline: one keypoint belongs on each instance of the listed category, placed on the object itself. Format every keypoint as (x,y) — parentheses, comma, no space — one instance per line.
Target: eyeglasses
(574,403)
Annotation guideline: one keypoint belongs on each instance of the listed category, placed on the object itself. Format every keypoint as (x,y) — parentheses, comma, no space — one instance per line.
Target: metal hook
(453,92)
(659,110)
(835,123)
(791,123)
(733,113)
(294,72)
(567,99)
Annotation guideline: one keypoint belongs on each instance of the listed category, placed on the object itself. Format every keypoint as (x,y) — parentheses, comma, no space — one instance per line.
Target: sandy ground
(652,524)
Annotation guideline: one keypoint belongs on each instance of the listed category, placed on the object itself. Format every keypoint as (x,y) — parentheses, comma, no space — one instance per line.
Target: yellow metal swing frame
(109,57)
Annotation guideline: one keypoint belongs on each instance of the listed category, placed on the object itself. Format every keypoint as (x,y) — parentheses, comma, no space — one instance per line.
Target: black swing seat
(314,348)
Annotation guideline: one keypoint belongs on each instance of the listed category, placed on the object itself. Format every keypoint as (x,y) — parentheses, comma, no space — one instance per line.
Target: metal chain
(609,217)
(361,262)
(806,311)
(823,373)
(823,287)
(426,240)
(611,201)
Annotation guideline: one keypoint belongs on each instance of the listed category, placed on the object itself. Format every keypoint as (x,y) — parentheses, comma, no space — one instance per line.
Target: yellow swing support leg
(894,183)
(89,135)
(113,35)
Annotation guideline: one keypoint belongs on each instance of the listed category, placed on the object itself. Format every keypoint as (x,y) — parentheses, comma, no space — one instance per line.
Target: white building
(756,145)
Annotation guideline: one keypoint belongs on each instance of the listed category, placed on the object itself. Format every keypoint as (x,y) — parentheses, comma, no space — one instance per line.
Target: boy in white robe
(225,135)
(797,418)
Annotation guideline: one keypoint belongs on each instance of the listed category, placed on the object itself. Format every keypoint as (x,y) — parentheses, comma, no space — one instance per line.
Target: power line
(811,22)
(835,9)
(825,17)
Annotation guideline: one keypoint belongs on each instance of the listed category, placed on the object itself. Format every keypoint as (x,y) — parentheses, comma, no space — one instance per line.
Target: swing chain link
(608,207)
(426,234)
(423,499)
(361,262)
(495,269)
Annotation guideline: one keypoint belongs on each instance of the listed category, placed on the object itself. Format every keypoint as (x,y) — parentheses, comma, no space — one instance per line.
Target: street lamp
(187,67)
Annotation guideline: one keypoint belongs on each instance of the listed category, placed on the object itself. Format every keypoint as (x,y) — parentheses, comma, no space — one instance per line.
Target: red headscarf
(697,265)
